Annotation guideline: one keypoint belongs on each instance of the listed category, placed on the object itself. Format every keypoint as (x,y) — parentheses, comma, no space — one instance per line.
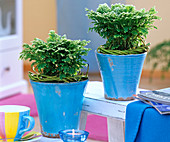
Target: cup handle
(31,126)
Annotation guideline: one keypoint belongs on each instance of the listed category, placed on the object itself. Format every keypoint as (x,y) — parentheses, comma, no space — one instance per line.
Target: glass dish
(73,135)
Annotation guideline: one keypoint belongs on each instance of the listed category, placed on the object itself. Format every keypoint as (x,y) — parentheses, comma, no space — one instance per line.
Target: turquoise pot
(59,105)
(120,74)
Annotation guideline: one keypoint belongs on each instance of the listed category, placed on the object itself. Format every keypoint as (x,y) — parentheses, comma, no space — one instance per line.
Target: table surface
(94,102)
(44,139)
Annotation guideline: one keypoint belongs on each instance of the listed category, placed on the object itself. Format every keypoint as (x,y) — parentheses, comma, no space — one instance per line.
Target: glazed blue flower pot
(120,74)
(59,105)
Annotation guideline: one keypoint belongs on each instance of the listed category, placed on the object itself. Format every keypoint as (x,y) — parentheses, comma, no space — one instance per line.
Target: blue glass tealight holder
(73,135)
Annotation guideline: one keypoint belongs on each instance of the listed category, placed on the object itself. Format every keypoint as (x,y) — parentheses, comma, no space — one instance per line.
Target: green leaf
(122,22)
(55,57)
(134,32)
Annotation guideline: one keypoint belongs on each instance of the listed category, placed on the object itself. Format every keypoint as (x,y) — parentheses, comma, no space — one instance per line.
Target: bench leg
(116,130)
(83,119)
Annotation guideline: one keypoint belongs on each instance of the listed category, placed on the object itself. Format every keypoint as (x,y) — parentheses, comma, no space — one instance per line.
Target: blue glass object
(73,135)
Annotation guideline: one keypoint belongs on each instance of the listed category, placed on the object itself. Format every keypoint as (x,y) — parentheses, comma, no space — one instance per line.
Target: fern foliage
(57,60)
(124,27)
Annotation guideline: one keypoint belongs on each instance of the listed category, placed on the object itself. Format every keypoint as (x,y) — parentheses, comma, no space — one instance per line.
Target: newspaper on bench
(160,100)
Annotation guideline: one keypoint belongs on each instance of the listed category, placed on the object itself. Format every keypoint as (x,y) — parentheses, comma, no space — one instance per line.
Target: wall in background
(39,16)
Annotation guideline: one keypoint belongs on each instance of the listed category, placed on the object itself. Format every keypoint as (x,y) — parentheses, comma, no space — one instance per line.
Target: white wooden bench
(95,103)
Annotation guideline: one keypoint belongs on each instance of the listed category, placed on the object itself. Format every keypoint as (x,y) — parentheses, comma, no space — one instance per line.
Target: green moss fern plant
(57,60)
(124,27)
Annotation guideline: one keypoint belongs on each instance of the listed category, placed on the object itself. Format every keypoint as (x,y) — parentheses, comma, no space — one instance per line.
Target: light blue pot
(120,74)
(59,105)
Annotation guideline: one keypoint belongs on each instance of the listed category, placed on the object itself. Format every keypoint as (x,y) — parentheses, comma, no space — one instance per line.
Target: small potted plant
(121,57)
(57,81)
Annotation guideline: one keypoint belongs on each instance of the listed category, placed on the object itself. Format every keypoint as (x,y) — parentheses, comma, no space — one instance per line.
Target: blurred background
(22,21)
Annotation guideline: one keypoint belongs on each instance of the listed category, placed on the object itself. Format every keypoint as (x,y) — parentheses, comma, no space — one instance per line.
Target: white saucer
(44,139)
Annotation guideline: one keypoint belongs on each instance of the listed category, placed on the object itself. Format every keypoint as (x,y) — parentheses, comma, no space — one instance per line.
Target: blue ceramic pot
(59,105)
(120,74)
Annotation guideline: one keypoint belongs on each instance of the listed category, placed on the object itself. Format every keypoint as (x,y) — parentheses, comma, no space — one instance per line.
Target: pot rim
(13,108)
(48,83)
(129,55)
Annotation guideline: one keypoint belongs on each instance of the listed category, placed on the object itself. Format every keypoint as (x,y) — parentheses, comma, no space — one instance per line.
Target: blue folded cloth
(144,124)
